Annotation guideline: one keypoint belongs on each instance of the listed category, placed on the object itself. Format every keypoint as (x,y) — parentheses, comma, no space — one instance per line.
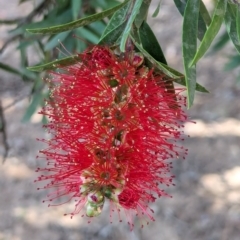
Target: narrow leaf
(135,34)
(189,46)
(204,13)
(230,21)
(142,14)
(212,31)
(78,23)
(202,28)
(76,6)
(221,42)
(54,41)
(53,18)
(55,64)
(35,102)
(87,34)
(112,37)
(181,5)
(104,4)
(128,27)
(172,73)
(233,63)
(203,17)
(150,43)
(98,27)
(152,60)
(117,19)
(238,23)
(70,45)
(157,10)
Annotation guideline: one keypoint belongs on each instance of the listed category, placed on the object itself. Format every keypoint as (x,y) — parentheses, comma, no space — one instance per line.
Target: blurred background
(206,198)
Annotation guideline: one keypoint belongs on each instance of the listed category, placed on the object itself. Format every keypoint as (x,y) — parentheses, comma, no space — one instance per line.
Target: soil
(206,199)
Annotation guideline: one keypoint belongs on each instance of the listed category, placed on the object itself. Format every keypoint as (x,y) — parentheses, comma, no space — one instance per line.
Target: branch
(21,21)
(4,132)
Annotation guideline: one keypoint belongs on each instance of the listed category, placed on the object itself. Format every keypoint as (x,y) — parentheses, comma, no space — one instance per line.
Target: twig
(21,21)
(15,102)
(4,132)
(38,10)
(8,41)
(10,21)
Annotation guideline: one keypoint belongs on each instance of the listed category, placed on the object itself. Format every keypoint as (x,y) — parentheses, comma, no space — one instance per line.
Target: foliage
(113,23)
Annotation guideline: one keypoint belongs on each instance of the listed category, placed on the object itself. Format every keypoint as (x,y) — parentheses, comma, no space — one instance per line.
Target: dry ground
(206,199)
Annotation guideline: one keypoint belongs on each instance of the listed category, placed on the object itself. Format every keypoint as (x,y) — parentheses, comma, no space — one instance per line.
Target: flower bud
(96,197)
(94,210)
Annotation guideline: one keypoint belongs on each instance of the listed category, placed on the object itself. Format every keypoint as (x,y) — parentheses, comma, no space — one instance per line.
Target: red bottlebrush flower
(114,127)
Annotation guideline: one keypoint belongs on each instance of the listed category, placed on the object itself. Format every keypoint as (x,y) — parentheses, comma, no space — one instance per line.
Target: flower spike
(114,133)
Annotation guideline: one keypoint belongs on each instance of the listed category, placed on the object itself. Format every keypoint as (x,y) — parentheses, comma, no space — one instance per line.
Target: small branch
(4,132)
(10,21)
(15,102)
(38,10)
(21,21)
(9,41)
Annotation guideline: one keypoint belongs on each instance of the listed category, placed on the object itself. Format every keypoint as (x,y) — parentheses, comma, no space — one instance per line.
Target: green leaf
(28,74)
(130,21)
(80,46)
(55,64)
(172,73)
(104,4)
(54,41)
(233,63)
(203,17)
(69,47)
(98,27)
(135,34)
(157,10)
(112,37)
(155,63)
(230,21)
(24,60)
(189,46)
(37,98)
(76,6)
(51,19)
(181,5)
(202,28)
(150,43)
(180,78)
(204,13)
(87,34)
(238,23)
(78,23)
(142,14)
(116,20)
(212,31)
(115,27)
(23,43)
(221,42)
